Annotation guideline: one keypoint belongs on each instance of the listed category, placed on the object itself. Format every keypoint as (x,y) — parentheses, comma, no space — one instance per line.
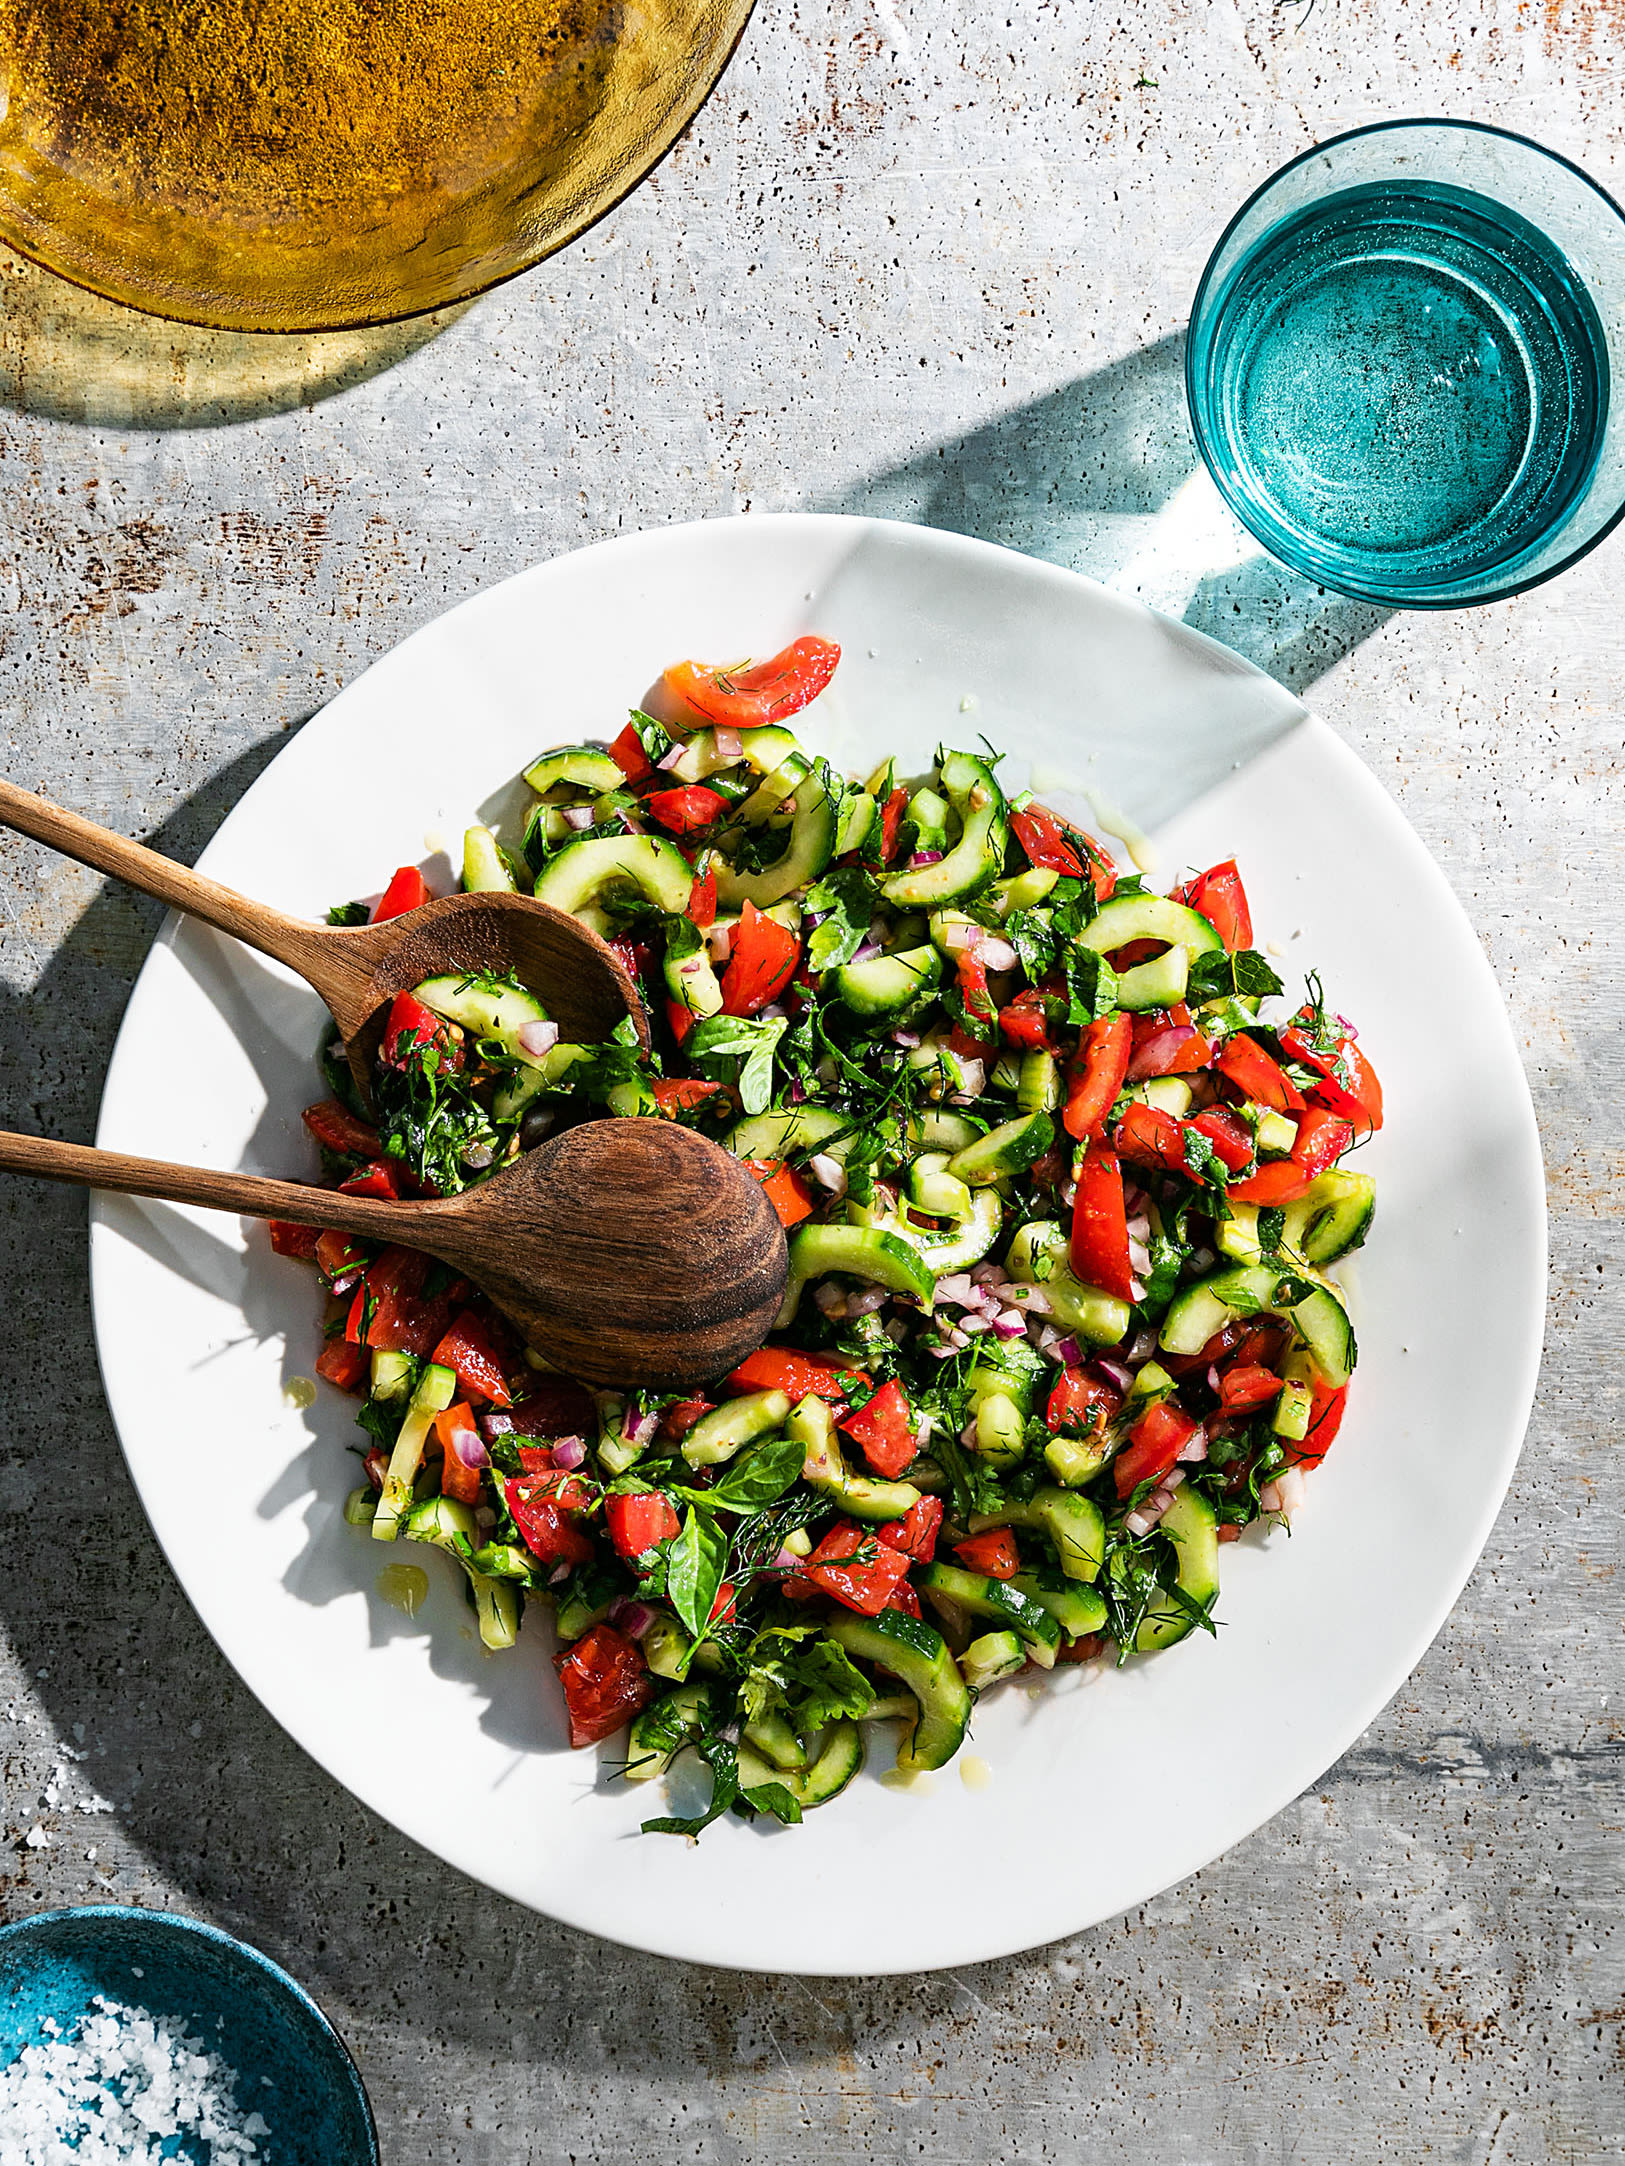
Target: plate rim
(1525,1170)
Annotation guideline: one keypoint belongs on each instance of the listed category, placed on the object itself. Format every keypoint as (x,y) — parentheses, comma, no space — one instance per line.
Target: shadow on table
(1103,477)
(69,355)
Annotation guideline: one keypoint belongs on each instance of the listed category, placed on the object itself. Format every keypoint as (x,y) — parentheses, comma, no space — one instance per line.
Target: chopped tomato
(802,1376)
(1326,1406)
(413,1028)
(336,1129)
(724,1603)
(904,1598)
(1219,896)
(686,811)
(702,897)
(606,1682)
(1080,1404)
(1166,1042)
(456,1478)
(1046,842)
(1152,1138)
(980,1012)
(915,1534)
(1348,1083)
(1026,1022)
(1244,1385)
(851,1564)
(629,756)
(467,1347)
(381,1178)
(884,1431)
(1096,1074)
(1100,1225)
(1323,1137)
(754,693)
(677,1420)
(1081,1650)
(388,1310)
(791,1196)
(993,1554)
(543,1522)
(552,1406)
(637,1521)
(681,1094)
(761,962)
(343,1364)
(1154,1444)
(1257,1076)
(408,890)
(1231,1138)
(634,953)
(340,1258)
(288,1239)
(680,1019)
(891,821)
(1282,1180)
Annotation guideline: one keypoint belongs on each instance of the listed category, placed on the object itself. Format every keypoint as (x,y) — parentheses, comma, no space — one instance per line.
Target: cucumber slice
(1000,1435)
(977,858)
(1073,1523)
(836,1757)
(934,1190)
(811,846)
(887,984)
(1276,1134)
(584,767)
(774,791)
(1156,984)
(1023,891)
(489,1007)
(1148,917)
(646,1755)
(486,870)
(686,968)
(876,1253)
(391,1373)
(584,872)
(1191,1524)
(1077,1610)
(763,749)
(917,1654)
(449,1524)
(999,1600)
(1336,1216)
(1008,1149)
(728,1429)
(813,1428)
(1039,1253)
(786,1133)
(994,1655)
(1038,1086)
(1250,1290)
(937,1129)
(1008,1366)
(954,1249)
(859,823)
(437,1387)
(929,815)
(773,1738)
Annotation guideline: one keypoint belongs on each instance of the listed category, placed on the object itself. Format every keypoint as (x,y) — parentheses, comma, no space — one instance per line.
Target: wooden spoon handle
(267,930)
(251,1195)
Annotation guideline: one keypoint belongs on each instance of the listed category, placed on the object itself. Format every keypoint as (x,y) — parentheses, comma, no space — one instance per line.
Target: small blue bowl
(229,1996)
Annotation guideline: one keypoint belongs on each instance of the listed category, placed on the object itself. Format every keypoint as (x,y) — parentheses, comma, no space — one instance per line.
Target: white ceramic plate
(1106,1786)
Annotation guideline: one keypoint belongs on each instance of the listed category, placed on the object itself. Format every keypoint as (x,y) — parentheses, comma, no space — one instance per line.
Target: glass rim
(1385,597)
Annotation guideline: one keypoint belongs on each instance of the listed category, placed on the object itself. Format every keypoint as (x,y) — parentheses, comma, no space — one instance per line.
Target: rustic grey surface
(931,261)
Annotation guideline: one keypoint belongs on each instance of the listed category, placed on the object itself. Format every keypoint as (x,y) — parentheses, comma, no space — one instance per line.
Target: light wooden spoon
(358,969)
(626,1251)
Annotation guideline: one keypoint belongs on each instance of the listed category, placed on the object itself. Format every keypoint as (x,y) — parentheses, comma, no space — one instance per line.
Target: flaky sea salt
(117,2091)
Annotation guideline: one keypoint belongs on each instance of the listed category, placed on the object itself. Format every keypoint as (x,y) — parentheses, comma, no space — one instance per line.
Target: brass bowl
(312,165)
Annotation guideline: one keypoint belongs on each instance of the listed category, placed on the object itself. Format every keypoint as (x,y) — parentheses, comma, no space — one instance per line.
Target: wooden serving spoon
(626,1251)
(358,969)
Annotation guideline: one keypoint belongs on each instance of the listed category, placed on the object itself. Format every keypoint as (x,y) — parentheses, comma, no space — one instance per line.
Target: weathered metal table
(932,263)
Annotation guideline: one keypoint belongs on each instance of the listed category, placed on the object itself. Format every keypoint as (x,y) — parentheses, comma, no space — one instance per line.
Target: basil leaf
(772,1797)
(721,1758)
(654,736)
(1216,974)
(849,897)
(694,1568)
(753,1483)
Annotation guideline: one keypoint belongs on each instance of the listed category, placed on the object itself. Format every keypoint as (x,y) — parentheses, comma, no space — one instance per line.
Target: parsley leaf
(1091,985)
(848,897)
(350,913)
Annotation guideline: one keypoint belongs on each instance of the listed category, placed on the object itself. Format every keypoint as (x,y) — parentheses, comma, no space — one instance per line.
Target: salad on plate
(1062,1168)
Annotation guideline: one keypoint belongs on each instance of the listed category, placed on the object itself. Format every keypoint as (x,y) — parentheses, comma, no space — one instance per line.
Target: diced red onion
(469,1446)
(537,1039)
(955,1286)
(631,1617)
(1069,1193)
(1140,1522)
(866,951)
(1048,1340)
(1153,1056)
(995,954)
(974,1325)
(344,1281)
(1195,1450)
(939,1353)
(569,1452)
(1139,1257)
(1066,1351)
(973,1079)
(1121,1377)
(788,1561)
(865,1302)
(376,1463)
(719,939)
(967,1435)
(641,1432)
(957,1339)
(829,1297)
(1213,1378)
(1010,1324)
(578,815)
(907,1039)
(730,745)
(668,760)
(959,939)
(1171,1481)
(926,857)
(1144,1346)
(983,1272)
(1031,1300)
(828,1172)
(494,1424)
(797,1092)
(559,1571)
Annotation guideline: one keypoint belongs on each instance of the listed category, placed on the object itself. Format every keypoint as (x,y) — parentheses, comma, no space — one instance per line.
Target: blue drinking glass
(1406,364)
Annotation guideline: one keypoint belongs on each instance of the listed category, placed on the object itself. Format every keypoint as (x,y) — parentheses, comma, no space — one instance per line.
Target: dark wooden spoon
(626,1251)
(358,969)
